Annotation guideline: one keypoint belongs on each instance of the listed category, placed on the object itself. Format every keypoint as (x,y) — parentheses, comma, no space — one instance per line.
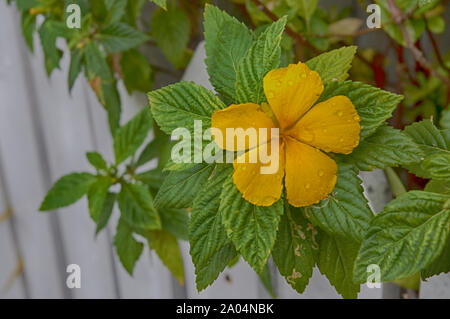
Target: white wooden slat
(22,166)
(10,256)
(150,278)
(436,287)
(67,136)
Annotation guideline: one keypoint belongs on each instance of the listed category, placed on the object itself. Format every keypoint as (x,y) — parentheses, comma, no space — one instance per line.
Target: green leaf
(96,160)
(405,237)
(263,56)
(438,165)
(436,186)
(429,138)
(115,9)
(266,280)
(136,206)
(76,60)
(97,195)
(106,212)
(210,248)
(445,119)
(374,106)
(305,8)
(333,65)
(103,83)
(152,150)
(345,212)
(176,222)
(161,3)
(336,259)
(153,178)
(227,40)
(180,188)
(252,229)
(48,32)
(128,249)
(67,190)
(171,29)
(166,247)
(294,250)
(388,147)
(119,37)
(130,136)
(137,73)
(26,4)
(440,265)
(28,28)
(180,104)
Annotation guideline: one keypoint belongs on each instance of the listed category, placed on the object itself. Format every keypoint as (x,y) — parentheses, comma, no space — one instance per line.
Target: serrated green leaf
(405,237)
(294,250)
(345,212)
(137,73)
(171,29)
(127,247)
(263,56)
(116,10)
(97,195)
(333,65)
(153,149)
(76,60)
(166,247)
(96,65)
(67,190)
(445,119)
(180,104)
(374,106)
(227,40)
(180,188)
(305,8)
(436,186)
(440,265)
(130,136)
(119,37)
(429,138)
(106,212)
(136,207)
(387,147)
(48,32)
(266,280)
(176,222)
(28,28)
(153,178)
(251,228)
(336,259)
(161,3)
(438,165)
(210,248)
(96,160)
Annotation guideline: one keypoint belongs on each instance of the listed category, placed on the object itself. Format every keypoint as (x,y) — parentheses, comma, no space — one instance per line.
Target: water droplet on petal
(308,186)
(291,83)
(325,130)
(356,118)
(303,75)
(307,136)
(271,95)
(321,173)
(341,140)
(340,113)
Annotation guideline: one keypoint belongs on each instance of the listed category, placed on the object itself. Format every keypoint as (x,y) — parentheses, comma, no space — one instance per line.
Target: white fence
(44,134)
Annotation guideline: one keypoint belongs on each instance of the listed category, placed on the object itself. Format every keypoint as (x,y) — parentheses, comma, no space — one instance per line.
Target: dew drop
(303,75)
(291,83)
(321,173)
(307,136)
(308,186)
(271,95)
(356,118)
(340,113)
(341,140)
(325,130)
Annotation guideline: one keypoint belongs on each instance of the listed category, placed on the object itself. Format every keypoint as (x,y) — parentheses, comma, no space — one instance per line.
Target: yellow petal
(332,126)
(258,188)
(245,120)
(292,91)
(310,174)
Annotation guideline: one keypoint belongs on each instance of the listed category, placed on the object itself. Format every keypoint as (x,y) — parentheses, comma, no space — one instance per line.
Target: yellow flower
(306,132)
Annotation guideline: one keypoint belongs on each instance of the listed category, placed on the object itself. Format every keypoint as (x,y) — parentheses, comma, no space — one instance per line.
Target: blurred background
(45,133)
